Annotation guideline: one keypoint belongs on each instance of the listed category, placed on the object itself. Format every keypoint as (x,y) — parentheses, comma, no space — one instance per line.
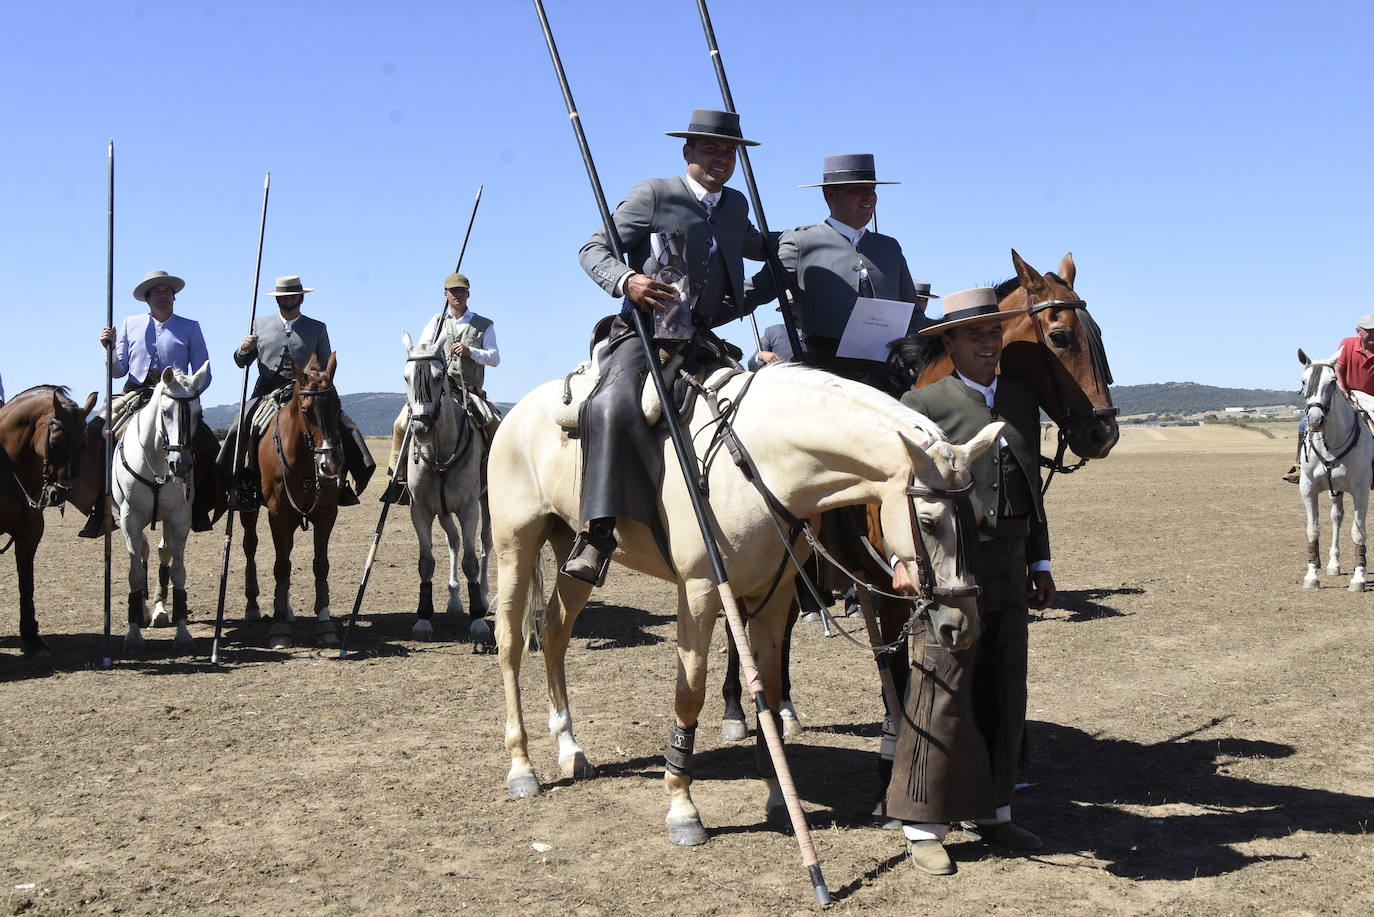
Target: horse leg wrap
(1314,552)
(180,610)
(678,753)
(136,609)
(164,576)
(1359,555)
(426,606)
(477,603)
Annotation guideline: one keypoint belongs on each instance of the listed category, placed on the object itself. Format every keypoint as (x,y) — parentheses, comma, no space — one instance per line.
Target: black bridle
(164,443)
(51,491)
(313,485)
(422,392)
(1316,397)
(1102,375)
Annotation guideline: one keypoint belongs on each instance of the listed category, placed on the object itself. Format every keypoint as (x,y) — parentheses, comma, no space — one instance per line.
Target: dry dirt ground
(1200,737)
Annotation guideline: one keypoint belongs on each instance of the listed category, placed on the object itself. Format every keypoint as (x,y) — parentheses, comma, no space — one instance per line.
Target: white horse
(819,442)
(1337,457)
(152,485)
(444,479)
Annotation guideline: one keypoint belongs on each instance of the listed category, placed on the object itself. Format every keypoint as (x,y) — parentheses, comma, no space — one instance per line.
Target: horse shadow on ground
(1085,605)
(86,651)
(1077,786)
(609,627)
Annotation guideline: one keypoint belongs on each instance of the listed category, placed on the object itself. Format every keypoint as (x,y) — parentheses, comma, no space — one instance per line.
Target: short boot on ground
(930,857)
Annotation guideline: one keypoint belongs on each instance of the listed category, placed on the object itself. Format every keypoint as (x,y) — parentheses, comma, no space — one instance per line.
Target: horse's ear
(299,373)
(1067,269)
(406,342)
(1302,357)
(1031,280)
(985,440)
(167,375)
(313,364)
(926,469)
(330,366)
(200,378)
(89,405)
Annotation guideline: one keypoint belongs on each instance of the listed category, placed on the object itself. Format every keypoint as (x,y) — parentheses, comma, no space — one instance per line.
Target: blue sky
(1207,163)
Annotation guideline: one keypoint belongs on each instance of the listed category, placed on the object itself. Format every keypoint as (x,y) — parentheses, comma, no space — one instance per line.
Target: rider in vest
(280,343)
(144,345)
(690,224)
(469,343)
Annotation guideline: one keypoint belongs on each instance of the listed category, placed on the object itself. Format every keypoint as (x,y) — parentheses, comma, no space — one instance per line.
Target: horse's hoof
(1333,570)
(252,613)
(184,644)
(36,650)
(422,630)
(522,786)
(791,721)
(483,640)
(160,616)
(686,832)
(577,767)
(328,638)
(134,645)
(279,638)
(733,730)
(1356,587)
(1311,583)
(778,819)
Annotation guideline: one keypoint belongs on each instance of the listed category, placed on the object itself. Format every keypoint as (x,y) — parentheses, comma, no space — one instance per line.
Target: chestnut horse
(42,432)
(300,463)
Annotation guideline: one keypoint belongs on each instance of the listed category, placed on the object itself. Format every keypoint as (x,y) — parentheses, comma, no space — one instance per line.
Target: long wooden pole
(775,268)
(108,431)
(767,724)
(242,433)
(401,456)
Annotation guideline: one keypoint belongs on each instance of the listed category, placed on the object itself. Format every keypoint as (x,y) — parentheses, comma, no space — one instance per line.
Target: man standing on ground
(960,743)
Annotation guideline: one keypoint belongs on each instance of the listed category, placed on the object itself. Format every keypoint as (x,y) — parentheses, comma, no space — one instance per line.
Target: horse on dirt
(42,432)
(1337,457)
(153,484)
(851,446)
(300,465)
(445,480)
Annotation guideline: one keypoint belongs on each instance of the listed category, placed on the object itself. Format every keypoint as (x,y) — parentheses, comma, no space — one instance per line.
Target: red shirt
(1357,366)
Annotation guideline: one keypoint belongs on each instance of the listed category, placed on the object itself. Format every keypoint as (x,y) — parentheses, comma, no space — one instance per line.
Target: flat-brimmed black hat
(715,125)
(849,169)
(967,307)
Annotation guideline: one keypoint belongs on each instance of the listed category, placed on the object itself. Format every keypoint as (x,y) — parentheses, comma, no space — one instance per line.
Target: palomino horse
(445,478)
(1057,349)
(41,435)
(300,461)
(851,445)
(1338,457)
(153,484)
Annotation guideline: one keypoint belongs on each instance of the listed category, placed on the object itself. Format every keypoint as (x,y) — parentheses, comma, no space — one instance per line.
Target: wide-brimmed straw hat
(849,169)
(290,286)
(715,125)
(968,307)
(155,278)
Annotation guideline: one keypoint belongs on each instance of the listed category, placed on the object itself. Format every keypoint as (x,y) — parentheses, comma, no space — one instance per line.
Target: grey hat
(290,286)
(967,307)
(849,169)
(154,278)
(1366,322)
(923,290)
(714,125)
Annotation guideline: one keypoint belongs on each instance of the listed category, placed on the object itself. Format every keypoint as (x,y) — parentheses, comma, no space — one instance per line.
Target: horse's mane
(59,389)
(799,376)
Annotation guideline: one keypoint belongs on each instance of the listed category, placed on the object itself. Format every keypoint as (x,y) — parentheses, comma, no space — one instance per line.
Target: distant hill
(1192,398)
(373,412)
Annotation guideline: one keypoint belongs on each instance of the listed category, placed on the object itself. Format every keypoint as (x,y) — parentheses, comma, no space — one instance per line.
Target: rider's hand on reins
(647,293)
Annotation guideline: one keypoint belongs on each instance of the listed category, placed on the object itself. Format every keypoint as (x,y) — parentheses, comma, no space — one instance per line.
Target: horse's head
(64,437)
(1318,387)
(933,530)
(426,371)
(321,415)
(1074,385)
(175,407)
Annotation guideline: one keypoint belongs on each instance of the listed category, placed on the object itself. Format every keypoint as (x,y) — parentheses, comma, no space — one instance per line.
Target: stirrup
(604,546)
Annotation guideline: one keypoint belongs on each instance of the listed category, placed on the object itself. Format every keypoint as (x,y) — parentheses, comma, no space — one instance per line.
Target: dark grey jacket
(308,337)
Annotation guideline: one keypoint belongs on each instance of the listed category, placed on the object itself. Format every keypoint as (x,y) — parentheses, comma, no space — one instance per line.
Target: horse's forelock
(795,375)
(181,386)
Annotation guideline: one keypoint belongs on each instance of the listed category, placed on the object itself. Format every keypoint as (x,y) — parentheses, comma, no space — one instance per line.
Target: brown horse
(1056,347)
(300,463)
(42,432)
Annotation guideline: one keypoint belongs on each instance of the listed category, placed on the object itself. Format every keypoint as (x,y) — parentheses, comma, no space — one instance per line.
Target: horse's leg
(767,639)
(251,612)
(283,539)
(698,604)
(172,557)
(1333,562)
(423,520)
(732,725)
(515,558)
(564,606)
(25,548)
(324,624)
(791,720)
(1310,579)
(1359,504)
(479,631)
(164,571)
(137,545)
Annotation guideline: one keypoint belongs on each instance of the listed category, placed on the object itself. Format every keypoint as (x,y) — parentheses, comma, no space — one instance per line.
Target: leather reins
(466,434)
(313,484)
(1323,404)
(183,403)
